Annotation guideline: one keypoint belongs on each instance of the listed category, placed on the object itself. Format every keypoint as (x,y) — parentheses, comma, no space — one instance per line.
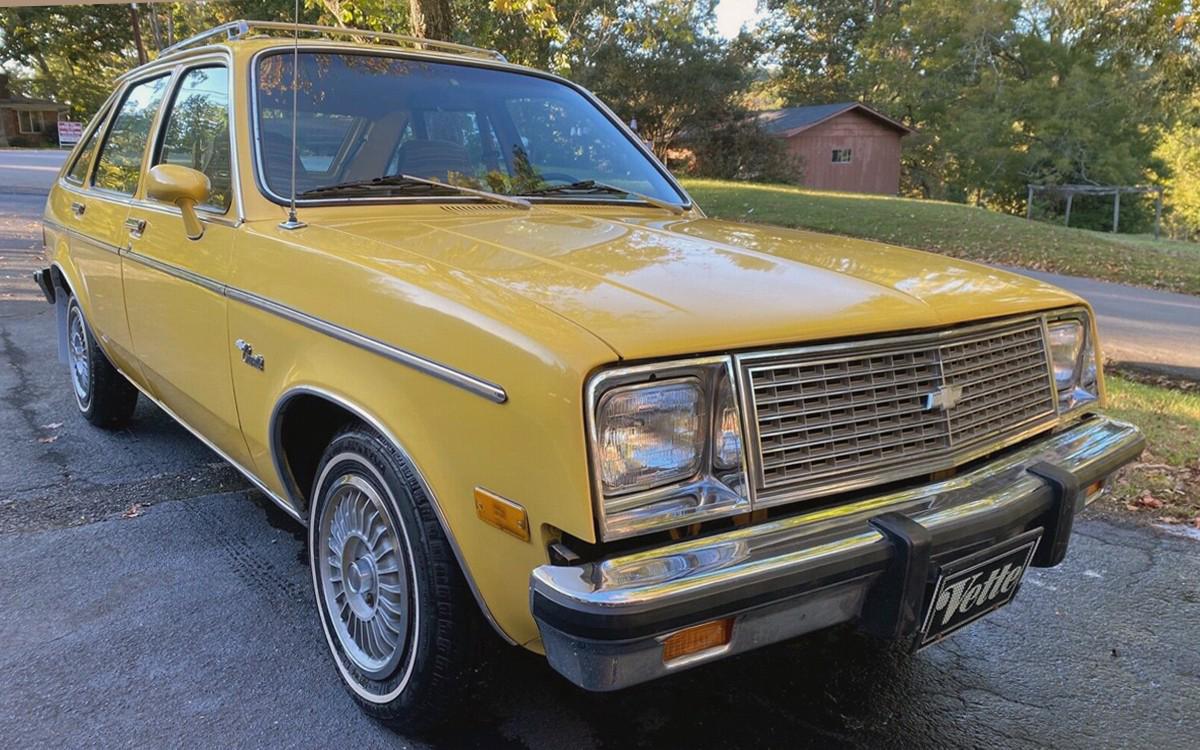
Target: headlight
(1073,357)
(650,435)
(666,446)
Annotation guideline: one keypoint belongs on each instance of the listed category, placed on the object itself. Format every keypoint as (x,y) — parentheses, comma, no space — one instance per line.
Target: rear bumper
(603,623)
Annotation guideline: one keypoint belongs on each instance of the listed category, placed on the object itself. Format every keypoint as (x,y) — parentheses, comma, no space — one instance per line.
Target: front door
(174,285)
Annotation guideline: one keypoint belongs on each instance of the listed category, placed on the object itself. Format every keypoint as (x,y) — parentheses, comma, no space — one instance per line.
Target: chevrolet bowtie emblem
(944,398)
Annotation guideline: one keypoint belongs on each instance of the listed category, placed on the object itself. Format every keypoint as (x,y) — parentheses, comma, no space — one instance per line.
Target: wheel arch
(332,412)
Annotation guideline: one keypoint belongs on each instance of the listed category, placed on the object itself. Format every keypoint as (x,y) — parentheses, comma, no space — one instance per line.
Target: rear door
(174,286)
(99,207)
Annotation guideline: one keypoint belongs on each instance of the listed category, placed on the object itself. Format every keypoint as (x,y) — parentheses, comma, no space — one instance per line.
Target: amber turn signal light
(503,514)
(697,638)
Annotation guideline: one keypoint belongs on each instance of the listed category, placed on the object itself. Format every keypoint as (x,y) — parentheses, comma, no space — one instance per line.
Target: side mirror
(180,186)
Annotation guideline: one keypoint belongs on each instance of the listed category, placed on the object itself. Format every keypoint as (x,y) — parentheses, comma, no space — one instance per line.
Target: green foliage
(660,63)
(740,150)
(1179,150)
(71,53)
(1002,92)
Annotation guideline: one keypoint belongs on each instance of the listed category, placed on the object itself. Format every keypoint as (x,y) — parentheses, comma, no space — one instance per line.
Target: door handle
(135,226)
(78,208)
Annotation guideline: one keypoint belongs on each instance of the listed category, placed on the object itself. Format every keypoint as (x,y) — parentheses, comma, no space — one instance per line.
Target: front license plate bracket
(971,587)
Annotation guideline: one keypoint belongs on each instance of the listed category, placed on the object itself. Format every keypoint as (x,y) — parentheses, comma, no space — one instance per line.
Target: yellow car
(451,314)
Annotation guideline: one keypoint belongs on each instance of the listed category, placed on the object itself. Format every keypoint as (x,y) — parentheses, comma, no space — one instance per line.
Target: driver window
(197,131)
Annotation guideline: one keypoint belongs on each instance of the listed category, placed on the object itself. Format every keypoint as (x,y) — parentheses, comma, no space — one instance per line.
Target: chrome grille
(875,412)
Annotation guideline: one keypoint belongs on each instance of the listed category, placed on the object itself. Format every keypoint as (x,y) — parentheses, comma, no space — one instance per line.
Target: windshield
(361,117)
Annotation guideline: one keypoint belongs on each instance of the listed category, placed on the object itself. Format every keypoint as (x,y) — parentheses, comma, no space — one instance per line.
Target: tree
(661,64)
(432,19)
(815,46)
(1001,92)
(1179,151)
(71,53)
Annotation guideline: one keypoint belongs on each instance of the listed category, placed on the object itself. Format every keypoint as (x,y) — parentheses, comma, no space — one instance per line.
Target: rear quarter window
(83,158)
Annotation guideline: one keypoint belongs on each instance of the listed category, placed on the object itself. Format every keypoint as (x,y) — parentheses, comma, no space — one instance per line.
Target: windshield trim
(622,128)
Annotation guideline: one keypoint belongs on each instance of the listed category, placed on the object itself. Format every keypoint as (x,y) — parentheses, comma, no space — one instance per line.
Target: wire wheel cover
(364,576)
(77,351)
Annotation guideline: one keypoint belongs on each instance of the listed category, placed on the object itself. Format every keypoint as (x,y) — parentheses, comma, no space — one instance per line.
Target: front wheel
(104,397)
(401,624)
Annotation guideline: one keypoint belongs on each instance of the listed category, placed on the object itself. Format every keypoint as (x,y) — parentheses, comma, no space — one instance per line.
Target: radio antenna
(292,222)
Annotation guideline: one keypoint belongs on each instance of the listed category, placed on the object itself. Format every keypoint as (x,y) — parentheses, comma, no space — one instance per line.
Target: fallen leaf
(48,439)
(52,426)
(1149,501)
(133,511)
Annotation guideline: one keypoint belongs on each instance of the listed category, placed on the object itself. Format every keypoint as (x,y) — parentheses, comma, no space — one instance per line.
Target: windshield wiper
(592,186)
(405,180)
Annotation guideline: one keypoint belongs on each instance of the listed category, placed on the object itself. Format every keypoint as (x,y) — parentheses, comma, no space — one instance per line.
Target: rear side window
(83,159)
(197,131)
(120,161)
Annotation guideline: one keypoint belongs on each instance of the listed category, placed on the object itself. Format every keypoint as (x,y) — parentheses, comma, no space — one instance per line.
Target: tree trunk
(155,31)
(432,19)
(137,34)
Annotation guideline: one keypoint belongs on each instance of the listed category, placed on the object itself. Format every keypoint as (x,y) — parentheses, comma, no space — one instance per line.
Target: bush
(740,150)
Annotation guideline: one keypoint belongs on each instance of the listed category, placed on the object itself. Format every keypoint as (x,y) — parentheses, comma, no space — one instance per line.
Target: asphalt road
(1142,327)
(190,623)
(29,171)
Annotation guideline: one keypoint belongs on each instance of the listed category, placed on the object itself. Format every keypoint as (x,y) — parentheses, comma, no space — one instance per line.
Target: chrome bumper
(603,623)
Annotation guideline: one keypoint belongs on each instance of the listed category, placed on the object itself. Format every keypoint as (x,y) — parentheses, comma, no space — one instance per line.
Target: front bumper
(603,623)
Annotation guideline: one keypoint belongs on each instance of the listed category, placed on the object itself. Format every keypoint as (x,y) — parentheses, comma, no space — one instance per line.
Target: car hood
(650,287)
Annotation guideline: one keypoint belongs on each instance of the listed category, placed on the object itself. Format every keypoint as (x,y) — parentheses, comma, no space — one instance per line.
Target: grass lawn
(1165,484)
(960,231)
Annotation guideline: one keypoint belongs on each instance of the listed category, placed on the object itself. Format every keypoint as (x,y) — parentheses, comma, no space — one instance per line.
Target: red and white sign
(69,132)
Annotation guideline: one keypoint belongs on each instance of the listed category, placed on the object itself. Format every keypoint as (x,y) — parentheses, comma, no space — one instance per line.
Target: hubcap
(364,576)
(77,351)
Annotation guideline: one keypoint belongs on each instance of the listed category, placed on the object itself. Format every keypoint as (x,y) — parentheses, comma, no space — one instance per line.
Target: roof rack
(239,29)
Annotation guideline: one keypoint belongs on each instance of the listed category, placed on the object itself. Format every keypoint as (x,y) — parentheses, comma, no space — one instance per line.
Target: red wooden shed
(846,147)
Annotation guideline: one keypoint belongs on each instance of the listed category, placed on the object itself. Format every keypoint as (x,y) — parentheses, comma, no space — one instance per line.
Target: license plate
(976,585)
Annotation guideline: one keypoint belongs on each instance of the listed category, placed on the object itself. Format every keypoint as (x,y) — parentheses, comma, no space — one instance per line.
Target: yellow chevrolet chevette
(452,314)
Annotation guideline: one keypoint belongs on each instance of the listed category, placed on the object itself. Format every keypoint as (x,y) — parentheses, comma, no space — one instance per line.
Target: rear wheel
(401,624)
(104,397)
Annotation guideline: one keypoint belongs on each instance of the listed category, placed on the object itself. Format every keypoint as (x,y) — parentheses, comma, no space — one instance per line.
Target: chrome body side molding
(466,381)
(475,385)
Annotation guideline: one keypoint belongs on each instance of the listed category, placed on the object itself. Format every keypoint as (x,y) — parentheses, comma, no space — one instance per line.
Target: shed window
(30,122)
(841,156)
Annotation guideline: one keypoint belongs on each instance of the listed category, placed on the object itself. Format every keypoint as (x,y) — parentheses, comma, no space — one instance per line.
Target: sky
(731,14)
